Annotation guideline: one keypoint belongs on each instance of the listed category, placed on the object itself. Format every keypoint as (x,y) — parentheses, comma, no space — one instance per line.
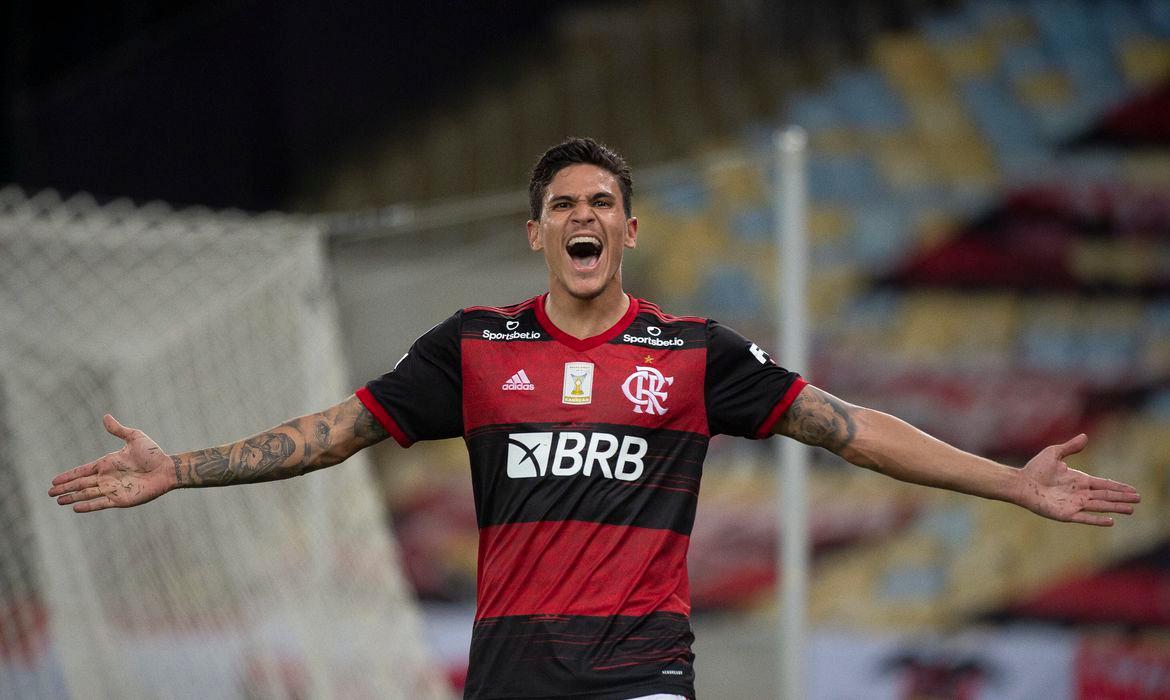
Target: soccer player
(586,413)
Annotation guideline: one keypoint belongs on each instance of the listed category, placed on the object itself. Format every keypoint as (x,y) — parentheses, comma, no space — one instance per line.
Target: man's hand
(135,474)
(1050,488)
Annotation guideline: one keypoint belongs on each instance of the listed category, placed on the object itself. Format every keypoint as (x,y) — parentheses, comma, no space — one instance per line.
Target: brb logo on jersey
(646,389)
(571,453)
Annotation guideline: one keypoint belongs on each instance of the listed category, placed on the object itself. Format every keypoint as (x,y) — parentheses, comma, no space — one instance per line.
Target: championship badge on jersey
(578,383)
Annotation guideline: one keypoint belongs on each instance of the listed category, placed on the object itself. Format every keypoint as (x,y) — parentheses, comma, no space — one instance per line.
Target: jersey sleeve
(746,391)
(422,397)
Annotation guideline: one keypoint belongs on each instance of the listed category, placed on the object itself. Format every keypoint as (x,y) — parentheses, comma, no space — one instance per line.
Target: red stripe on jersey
(583,344)
(488,364)
(505,310)
(781,406)
(385,419)
(571,567)
(651,307)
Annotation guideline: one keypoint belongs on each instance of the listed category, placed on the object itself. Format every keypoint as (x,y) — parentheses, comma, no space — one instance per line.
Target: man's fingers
(1072,446)
(1098,506)
(1101,484)
(113,427)
(84,482)
(1114,494)
(1091,519)
(76,472)
(87,494)
(96,504)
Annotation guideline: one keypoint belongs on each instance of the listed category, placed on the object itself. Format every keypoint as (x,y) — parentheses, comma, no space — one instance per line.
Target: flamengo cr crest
(646,389)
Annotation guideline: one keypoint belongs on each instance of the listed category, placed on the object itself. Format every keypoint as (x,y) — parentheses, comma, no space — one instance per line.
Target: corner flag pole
(792,259)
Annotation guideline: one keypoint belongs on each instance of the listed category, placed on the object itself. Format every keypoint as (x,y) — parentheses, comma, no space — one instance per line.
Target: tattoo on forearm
(817,418)
(264,452)
(211,466)
(318,440)
(366,427)
(255,459)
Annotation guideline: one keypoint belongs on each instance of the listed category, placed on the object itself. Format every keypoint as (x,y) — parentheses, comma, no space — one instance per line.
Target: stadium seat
(867,101)
(1145,61)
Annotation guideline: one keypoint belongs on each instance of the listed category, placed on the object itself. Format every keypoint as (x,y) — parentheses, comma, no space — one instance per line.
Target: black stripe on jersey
(602,658)
(663,495)
(650,331)
(512,324)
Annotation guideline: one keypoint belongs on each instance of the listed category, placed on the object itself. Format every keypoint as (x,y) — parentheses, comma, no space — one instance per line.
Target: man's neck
(585,318)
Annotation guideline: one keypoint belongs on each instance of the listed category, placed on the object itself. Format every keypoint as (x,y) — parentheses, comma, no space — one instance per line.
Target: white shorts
(659,696)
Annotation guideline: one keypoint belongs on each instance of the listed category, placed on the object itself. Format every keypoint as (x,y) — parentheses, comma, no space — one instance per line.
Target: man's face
(582,230)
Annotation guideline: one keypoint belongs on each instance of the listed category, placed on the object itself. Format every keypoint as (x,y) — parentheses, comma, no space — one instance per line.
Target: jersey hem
(781,406)
(634,691)
(383,417)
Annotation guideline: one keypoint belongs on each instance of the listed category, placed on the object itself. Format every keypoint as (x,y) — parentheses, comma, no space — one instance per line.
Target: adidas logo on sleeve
(518,382)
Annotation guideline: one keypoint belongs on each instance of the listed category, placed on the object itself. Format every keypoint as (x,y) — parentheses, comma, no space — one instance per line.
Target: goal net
(198,328)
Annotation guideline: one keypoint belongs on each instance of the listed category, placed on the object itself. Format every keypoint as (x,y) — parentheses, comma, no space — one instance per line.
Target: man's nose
(582,213)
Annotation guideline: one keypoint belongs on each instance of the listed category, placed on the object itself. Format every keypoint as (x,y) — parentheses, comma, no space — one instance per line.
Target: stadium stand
(998,276)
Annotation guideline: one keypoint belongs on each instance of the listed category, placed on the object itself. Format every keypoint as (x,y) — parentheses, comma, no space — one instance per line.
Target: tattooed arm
(883,443)
(141,471)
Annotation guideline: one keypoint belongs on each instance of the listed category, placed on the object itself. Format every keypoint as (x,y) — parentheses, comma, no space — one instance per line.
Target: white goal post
(199,328)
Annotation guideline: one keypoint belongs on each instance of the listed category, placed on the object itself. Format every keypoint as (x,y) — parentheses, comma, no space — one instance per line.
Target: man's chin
(588,294)
(586,291)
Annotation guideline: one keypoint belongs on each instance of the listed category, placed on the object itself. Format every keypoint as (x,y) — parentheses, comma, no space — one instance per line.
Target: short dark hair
(572,152)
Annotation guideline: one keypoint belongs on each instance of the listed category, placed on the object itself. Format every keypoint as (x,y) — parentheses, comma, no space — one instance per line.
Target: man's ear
(631,237)
(534,241)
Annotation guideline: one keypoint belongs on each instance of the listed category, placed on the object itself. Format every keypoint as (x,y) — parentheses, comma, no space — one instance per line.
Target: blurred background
(990,236)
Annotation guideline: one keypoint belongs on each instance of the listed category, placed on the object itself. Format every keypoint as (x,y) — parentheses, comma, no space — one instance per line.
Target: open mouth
(584,251)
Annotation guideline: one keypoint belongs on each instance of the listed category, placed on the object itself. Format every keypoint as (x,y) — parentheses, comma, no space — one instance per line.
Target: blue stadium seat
(1004,122)
(867,101)
(1025,60)
(729,291)
(814,111)
(682,194)
(842,178)
(877,310)
(752,225)
(1121,20)
(882,234)
(944,29)
(1157,13)
(1049,347)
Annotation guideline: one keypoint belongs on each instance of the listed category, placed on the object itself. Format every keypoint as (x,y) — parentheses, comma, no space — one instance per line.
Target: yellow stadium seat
(909,64)
(828,223)
(1010,27)
(734,182)
(939,116)
(968,163)
(934,226)
(835,141)
(1045,89)
(968,58)
(905,162)
(937,325)
(1147,168)
(1145,61)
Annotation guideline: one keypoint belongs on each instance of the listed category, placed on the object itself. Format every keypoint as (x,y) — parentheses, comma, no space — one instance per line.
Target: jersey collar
(583,344)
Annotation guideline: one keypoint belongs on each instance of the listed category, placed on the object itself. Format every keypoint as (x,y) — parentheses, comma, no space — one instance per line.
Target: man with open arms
(586,413)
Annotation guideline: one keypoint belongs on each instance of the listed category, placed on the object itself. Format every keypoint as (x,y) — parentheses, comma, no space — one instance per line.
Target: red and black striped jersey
(586,456)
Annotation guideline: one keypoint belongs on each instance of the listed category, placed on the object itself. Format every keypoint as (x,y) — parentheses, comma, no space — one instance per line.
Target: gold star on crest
(649,359)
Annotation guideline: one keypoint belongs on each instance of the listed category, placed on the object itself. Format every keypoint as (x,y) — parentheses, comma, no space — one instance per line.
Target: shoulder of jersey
(655,328)
(515,322)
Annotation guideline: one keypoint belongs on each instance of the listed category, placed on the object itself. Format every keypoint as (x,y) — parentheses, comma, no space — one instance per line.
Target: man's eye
(603,203)
(561,205)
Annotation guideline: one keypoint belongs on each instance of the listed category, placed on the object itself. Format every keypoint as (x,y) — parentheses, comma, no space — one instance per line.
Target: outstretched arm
(141,471)
(883,443)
